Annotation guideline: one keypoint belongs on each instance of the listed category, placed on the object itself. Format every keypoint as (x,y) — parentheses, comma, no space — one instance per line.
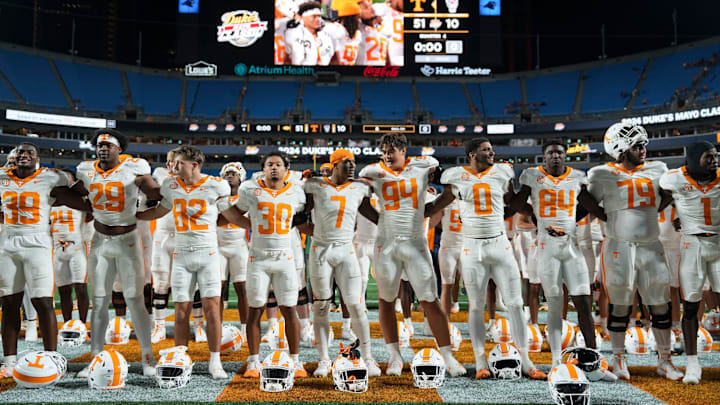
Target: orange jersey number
(350,54)
(23,208)
(59,218)
(644,190)
(114,193)
(183,222)
(395,190)
(706,210)
(379,45)
(485,199)
(455,224)
(341,200)
(279,50)
(274,218)
(553,200)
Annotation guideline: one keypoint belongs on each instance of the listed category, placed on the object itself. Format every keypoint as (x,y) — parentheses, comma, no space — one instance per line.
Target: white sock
(11,360)
(662,337)
(394,350)
(304,322)
(346,323)
(243,329)
(272,322)
(159,315)
(214,358)
(408,321)
(676,325)
(253,358)
(147,354)
(446,353)
(692,361)
(617,339)
(295,358)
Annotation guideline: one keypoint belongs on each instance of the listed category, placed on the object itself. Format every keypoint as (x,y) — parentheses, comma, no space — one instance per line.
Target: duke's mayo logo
(241,28)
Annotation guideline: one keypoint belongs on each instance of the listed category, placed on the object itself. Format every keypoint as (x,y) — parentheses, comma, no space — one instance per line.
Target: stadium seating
(269,100)
(328,102)
(451,104)
(608,88)
(33,78)
(387,100)
(669,73)
(210,98)
(553,94)
(5,94)
(93,88)
(158,95)
(496,97)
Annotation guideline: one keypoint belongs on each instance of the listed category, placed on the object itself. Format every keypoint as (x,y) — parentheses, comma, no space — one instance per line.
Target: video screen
(339,32)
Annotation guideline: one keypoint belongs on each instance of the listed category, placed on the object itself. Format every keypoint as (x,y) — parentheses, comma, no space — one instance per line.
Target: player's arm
(666,199)
(443,200)
(237,217)
(588,202)
(368,211)
(309,202)
(79,187)
(156,212)
(524,222)
(148,186)
(65,196)
(518,202)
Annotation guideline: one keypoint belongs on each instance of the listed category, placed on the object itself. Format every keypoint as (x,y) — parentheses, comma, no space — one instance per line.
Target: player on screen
(307,44)
(191,196)
(632,254)
(391,13)
(373,50)
(400,184)
(271,204)
(482,190)
(345,32)
(555,191)
(285,12)
(695,191)
(113,186)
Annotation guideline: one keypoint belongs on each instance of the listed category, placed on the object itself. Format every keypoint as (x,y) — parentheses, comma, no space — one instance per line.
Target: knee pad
(661,316)
(118,300)
(148,294)
(197,301)
(690,310)
(271,301)
(160,301)
(302,296)
(618,322)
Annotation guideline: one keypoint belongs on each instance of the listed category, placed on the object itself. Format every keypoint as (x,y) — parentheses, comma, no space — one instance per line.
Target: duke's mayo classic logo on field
(241,28)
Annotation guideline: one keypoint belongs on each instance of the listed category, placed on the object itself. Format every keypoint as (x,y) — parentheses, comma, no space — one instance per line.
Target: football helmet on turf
(350,374)
(636,341)
(277,372)
(704,341)
(38,369)
(108,371)
(428,369)
(500,331)
(118,332)
(505,362)
(72,333)
(174,368)
(568,385)
(535,339)
(231,340)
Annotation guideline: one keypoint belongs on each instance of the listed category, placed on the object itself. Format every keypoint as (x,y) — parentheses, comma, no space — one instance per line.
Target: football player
(555,190)
(345,32)
(482,189)
(307,44)
(402,246)
(70,257)
(271,204)
(449,254)
(334,202)
(373,49)
(694,188)
(28,193)
(113,186)
(632,254)
(391,13)
(191,196)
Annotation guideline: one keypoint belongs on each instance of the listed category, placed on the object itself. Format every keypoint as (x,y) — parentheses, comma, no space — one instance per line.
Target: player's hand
(677,225)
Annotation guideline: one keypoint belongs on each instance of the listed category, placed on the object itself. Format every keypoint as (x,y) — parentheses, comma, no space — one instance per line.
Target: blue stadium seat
(6,95)
(158,95)
(553,94)
(668,74)
(328,102)
(452,104)
(608,88)
(711,83)
(91,87)
(209,99)
(269,100)
(495,97)
(33,78)
(387,101)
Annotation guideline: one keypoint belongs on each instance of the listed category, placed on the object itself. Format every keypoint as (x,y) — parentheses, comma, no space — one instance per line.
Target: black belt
(705,235)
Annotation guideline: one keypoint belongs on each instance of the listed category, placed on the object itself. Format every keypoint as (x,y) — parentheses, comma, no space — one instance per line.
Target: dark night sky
(569,30)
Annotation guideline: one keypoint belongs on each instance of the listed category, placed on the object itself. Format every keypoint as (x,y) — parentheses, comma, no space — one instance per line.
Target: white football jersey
(346,48)
(26,203)
(392,28)
(166,223)
(280,49)
(698,206)
(292,176)
(305,49)
(366,230)
(67,224)
(373,47)
(271,212)
(401,195)
(113,193)
(231,233)
(480,198)
(554,199)
(665,222)
(451,226)
(335,208)
(194,209)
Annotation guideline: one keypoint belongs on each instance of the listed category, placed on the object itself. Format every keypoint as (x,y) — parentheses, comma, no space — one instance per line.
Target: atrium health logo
(241,69)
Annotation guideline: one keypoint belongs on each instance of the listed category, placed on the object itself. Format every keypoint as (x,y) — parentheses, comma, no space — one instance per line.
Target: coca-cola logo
(381,71)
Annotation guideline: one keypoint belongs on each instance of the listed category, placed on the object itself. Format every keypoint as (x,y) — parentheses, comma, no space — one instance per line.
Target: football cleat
(31,334)
(693,374)
(373,368)
(620,368)
(158,333)
(323,369)
(394,368)
(348,334)
(148,365)
(300,370)
(199,333)
(667,369)
(252,370)
(455,308)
